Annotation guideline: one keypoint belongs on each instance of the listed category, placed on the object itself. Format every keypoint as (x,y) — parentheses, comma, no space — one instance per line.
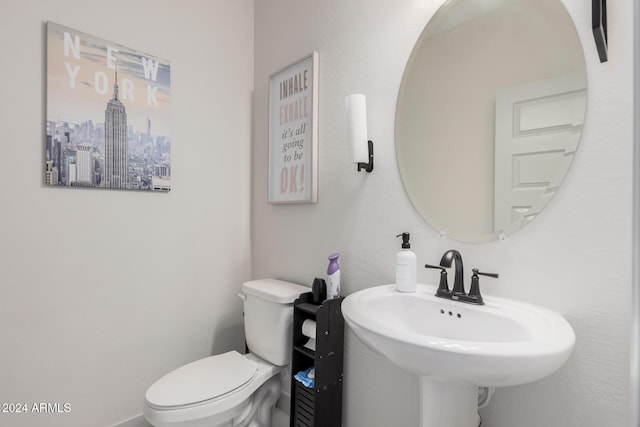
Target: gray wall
(102,292)
(574,258)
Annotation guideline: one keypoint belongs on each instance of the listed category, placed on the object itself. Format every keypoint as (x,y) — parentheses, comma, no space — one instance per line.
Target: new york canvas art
(108,114)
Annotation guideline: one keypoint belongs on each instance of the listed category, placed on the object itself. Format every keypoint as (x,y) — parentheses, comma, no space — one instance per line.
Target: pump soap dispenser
(406,266)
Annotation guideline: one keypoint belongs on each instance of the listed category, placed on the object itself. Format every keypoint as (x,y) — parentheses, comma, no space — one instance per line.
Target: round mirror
(489,114)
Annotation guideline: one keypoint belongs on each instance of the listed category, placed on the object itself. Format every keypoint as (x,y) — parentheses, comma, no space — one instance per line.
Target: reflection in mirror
(489,114)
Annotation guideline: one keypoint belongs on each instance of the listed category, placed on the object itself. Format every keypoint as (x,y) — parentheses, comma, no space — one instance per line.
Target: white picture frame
(293,132)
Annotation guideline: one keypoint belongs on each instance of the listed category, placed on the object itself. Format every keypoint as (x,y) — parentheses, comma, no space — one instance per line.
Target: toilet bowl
(225,390)
(233,389)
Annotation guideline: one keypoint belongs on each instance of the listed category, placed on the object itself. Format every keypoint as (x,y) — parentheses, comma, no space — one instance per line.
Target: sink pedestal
(447,404)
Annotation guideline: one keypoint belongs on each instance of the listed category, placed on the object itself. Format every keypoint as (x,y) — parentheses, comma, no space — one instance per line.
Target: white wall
(574,258)
(634,395)
(102,292)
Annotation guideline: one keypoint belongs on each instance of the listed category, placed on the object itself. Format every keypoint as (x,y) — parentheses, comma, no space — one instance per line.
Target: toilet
(233,389)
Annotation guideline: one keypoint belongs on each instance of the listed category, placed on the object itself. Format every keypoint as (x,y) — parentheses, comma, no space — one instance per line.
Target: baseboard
(138,421)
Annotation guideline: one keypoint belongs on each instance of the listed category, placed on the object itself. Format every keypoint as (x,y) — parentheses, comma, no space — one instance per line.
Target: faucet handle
(474,291)
(494,275)
(443,287)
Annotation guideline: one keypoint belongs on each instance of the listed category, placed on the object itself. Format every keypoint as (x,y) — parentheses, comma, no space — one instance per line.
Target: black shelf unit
(320,406)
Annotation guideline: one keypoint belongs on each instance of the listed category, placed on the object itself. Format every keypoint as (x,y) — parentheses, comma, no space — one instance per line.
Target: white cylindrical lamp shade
(356,107)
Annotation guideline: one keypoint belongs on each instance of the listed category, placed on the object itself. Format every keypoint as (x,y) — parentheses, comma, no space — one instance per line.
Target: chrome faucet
(458,293)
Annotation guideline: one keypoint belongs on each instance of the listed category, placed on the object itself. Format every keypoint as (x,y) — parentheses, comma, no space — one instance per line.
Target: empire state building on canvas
(116,163)
(108,114)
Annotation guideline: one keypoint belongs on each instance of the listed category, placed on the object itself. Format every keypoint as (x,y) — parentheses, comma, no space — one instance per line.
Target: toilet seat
(243,374)
(201,381)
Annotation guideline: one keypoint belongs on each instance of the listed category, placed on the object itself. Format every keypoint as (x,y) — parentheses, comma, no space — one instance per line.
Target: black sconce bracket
(367,166)
(599,26)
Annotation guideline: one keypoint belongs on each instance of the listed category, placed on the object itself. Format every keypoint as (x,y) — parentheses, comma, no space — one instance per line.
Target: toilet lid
(202,380)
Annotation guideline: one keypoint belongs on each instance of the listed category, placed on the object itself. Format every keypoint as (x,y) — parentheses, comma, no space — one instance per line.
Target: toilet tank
(268,318)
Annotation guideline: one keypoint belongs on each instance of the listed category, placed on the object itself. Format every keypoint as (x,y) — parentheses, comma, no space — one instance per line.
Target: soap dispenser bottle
(405,266)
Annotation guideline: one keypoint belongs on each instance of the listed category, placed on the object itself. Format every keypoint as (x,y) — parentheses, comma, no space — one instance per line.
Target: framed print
(108,114)
(293,132)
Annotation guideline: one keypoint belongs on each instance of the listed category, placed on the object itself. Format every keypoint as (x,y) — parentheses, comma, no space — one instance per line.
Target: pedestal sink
(456,347)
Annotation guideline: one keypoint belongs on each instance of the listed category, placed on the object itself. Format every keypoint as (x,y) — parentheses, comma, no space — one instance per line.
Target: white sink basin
(501,343)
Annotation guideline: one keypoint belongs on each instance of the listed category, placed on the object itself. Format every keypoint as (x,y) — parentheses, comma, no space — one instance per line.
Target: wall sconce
(360,147)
